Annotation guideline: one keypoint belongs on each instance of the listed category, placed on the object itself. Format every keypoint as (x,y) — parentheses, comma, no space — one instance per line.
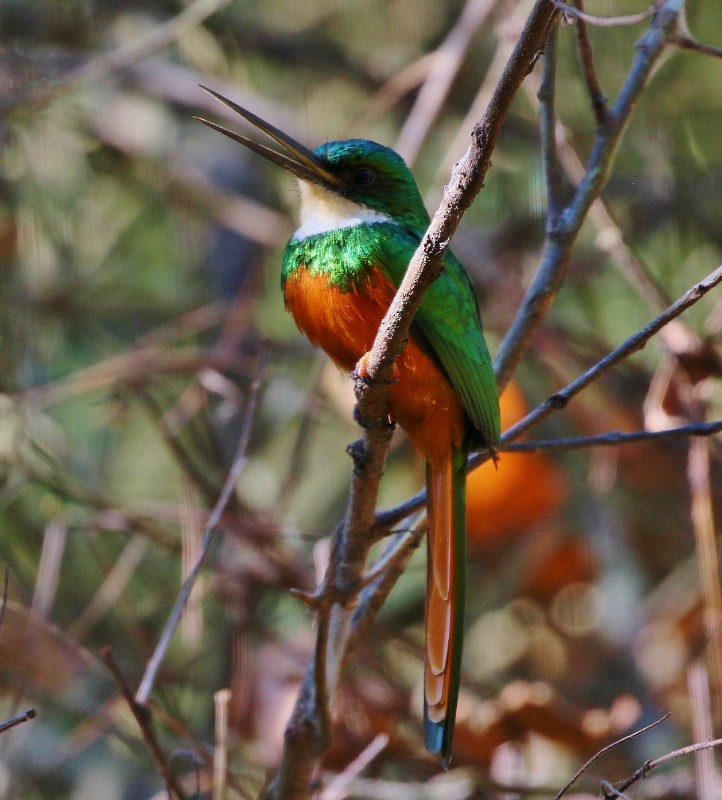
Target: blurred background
(140,255)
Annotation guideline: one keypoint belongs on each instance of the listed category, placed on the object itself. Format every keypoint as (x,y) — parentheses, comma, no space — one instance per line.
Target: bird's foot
(362,371)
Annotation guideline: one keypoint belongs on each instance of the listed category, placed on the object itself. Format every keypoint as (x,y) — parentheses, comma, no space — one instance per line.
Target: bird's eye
(364,176)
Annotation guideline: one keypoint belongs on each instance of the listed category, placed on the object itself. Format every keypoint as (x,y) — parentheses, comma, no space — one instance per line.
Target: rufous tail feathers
(445,592)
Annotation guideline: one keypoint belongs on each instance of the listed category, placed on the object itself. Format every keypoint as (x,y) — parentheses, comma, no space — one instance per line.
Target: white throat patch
(323,211)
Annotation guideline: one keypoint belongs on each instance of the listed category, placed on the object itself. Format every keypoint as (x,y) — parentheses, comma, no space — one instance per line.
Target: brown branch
(703,525)
(145,723)
(584,46)
(687,42)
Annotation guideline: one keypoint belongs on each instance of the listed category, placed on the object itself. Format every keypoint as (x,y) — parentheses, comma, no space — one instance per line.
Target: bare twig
(143,718)
(616,438)
(631,345)
(699,696)
(698,476)
(558,401)
(18,719)
(547,121)
(599,101)
(239,463)
(604,750)
(688,42)
(628,19)
(338,787)
(222,699)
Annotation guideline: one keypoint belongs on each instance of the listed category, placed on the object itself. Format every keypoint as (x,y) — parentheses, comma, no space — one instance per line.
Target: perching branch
(307,735)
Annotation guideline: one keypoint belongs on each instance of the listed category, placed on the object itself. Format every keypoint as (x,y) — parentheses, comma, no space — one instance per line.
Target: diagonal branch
(307,735)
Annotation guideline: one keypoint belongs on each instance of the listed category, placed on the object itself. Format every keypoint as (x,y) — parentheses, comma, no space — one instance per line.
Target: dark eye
(364,176)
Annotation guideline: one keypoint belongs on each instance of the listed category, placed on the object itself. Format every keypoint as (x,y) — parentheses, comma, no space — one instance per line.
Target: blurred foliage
(140,259)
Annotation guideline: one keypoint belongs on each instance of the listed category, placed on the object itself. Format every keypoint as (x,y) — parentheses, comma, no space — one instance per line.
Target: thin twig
(690,43)
(599,101)
(616,438)
(606,22)
(18,719)
(698,680)
(338,787)
(631,345)
(547,122)
(648,766)
(705,536)
(144,720)
(604,750)
(237,467)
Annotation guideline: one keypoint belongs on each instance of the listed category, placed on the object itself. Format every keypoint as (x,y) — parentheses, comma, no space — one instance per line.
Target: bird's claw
(361,371)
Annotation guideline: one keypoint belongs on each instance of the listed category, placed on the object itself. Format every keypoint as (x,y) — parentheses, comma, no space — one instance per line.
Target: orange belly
(344,324)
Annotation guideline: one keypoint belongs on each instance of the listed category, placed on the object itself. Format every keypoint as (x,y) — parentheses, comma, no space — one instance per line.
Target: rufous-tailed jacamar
(362,218)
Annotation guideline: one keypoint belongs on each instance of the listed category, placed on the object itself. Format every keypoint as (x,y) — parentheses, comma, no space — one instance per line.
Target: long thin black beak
(305,164)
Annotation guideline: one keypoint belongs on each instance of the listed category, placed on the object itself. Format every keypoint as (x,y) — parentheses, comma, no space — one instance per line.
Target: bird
(361,220)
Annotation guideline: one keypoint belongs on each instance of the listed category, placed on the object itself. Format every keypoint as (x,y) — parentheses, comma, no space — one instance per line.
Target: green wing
(448,323)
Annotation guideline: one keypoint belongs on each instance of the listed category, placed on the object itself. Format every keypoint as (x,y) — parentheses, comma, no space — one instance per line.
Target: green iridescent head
(374,176)
(360,171)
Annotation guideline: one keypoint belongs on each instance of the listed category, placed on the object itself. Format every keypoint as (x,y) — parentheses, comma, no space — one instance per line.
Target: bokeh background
(139,293)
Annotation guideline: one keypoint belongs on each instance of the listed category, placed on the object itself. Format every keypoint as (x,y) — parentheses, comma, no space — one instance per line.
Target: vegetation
(147,362)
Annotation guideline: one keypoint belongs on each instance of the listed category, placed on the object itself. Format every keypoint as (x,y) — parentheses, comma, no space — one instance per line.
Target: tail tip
(436,739)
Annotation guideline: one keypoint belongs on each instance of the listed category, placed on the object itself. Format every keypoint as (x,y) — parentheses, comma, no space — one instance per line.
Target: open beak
(301,161)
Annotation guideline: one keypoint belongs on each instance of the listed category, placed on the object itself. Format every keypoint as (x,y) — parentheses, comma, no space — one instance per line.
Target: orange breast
(344,324)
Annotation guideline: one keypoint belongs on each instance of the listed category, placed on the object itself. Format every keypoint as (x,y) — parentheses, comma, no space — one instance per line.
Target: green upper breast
(345,255)
(447,324)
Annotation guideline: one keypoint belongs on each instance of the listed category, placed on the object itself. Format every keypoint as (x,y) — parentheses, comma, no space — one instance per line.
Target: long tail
(445,593)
